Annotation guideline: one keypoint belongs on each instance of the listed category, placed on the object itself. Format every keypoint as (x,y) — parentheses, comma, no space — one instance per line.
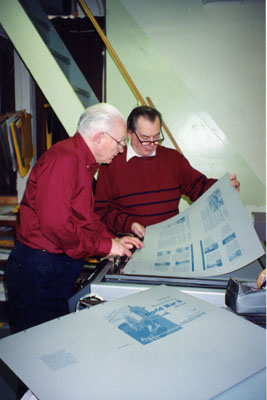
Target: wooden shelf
(8,200)
(8,226)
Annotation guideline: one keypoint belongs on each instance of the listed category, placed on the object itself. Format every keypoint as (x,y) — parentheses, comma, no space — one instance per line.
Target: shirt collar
(132,153)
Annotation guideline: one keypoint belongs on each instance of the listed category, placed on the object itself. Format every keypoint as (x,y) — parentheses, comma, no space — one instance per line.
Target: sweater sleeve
(193,182)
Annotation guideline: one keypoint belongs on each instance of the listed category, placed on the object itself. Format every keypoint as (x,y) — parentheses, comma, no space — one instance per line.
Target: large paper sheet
(214,236)
(157,344)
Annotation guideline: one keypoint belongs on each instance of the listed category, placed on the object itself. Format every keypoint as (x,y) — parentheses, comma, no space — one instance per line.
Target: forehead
(144,124)
(119,127)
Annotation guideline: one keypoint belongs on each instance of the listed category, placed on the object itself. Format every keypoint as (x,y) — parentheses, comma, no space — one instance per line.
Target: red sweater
(146,189)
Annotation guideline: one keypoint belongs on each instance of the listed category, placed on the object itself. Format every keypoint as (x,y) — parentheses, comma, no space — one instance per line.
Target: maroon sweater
(146,189)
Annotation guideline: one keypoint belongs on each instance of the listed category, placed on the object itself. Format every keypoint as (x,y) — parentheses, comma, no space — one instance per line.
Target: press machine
(108,281)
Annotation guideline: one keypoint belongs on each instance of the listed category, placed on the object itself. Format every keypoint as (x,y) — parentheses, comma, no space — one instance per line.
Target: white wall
(203,66)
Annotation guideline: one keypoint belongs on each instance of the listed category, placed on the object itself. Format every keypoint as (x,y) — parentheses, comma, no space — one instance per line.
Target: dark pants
(39,285)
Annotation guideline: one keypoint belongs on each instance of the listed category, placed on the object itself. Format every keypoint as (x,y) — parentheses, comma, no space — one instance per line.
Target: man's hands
(234,182)
(138,230)
(121,246)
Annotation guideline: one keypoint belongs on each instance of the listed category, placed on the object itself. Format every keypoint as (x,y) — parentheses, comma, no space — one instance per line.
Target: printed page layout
(214,236)
(156,344)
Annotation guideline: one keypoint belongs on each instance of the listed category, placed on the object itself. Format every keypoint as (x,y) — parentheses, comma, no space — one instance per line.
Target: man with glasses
(58,227)
(144,184)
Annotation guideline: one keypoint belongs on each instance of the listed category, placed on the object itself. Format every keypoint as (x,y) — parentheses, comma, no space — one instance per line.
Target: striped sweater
(145,189)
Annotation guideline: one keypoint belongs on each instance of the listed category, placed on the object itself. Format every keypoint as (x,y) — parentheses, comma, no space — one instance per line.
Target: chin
(148,153)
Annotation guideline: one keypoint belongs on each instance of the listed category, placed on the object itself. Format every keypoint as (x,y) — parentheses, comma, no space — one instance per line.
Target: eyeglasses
(148,142)
(121,142)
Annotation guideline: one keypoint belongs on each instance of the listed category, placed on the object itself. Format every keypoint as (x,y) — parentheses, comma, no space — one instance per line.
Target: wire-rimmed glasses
(121,143)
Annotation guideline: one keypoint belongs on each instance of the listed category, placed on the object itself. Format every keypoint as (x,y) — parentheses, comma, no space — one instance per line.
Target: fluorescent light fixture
(232,1)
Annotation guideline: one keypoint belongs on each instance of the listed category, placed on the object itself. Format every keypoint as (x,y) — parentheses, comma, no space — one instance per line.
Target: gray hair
(98,117)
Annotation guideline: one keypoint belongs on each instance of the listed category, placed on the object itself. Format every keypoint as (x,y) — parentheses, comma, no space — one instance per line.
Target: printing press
(108,281)
(211,251)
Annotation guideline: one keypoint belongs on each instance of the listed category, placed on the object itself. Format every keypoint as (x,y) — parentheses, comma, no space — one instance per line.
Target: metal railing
(122,69)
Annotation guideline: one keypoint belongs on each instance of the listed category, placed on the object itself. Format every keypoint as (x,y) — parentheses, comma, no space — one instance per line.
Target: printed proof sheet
(156,344)
(213,236)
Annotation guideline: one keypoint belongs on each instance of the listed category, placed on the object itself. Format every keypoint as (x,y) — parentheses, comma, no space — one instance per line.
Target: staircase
(47,59)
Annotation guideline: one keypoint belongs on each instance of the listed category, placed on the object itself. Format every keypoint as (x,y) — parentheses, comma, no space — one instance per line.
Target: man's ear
(97,138)
(130,135)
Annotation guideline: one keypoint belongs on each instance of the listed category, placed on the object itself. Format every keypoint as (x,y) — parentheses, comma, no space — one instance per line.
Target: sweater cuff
(128,225)
(104,247)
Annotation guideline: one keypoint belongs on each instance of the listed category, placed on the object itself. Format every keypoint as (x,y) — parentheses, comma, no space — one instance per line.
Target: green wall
(203,66)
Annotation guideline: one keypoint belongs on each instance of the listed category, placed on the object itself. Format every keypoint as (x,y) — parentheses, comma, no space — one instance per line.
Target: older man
(143,186)
(58,226)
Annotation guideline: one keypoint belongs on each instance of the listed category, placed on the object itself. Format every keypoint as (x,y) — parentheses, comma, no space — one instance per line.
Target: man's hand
(234,182)
(138,230)
(121,246)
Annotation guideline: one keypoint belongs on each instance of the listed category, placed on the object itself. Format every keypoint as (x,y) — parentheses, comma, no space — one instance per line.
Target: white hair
(98,117)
